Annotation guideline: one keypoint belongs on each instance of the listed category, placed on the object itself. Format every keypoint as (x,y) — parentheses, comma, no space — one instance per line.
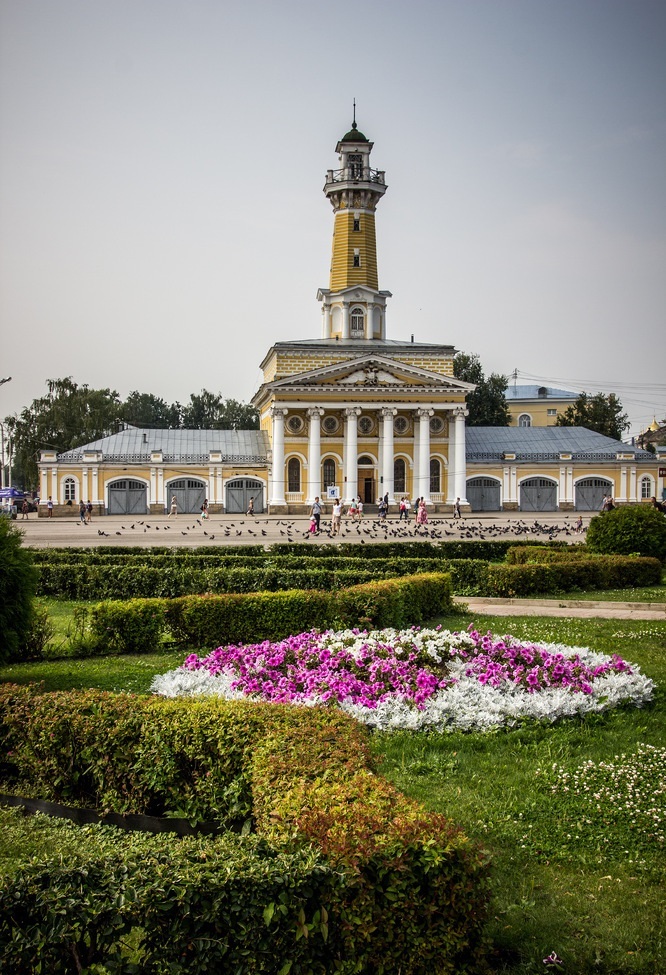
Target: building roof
(538,392)
(177,446)
(354,135)
(545,444)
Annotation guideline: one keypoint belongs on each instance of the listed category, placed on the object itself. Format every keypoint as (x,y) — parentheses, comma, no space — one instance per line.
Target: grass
(580,876)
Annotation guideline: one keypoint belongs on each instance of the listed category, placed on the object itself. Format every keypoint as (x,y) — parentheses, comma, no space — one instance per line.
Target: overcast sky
(162,220)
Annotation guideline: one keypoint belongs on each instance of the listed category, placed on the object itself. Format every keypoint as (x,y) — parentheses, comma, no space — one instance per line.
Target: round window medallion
(295,424)
(365,424)
(401,424)
(331,424)
(436,424)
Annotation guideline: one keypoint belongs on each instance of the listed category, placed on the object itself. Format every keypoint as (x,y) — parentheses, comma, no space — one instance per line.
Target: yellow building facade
(354,414)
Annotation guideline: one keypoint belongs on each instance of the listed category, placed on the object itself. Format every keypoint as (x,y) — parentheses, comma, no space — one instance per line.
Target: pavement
(189,531)
(234,530)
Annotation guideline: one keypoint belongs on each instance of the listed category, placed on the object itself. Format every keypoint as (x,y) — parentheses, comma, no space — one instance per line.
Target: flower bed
(417,678)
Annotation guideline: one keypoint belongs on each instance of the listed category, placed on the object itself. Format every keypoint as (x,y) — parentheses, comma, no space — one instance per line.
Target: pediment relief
(373,371)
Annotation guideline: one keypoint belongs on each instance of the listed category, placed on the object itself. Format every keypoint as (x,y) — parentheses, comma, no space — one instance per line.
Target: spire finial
(354,119)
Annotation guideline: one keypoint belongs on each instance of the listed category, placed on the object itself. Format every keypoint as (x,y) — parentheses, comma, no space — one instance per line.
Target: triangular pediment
(374,371)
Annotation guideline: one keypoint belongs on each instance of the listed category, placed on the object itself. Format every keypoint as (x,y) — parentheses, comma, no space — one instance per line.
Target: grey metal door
(590,493)
(128,498)
(239,493)
(190,493)
(483,494)
(538,494)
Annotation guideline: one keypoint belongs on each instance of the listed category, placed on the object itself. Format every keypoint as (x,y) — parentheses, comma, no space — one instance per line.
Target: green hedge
(344,874)
(139,625)
(608,572)
(522,554)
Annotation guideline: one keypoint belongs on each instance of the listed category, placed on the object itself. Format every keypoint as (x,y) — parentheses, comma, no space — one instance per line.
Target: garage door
(128,498)
(590,493)
(483,494)
(238,494)
(538,494)
(190,494)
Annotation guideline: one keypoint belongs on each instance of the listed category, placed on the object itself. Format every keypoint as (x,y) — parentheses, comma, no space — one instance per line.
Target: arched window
(69,485)
(646,487)
(435,476)
(329,473)
(399,478)
(524,420)
(357,322)
(294,474)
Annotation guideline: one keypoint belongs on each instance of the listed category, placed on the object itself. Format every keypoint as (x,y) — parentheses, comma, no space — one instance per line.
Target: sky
(162,220)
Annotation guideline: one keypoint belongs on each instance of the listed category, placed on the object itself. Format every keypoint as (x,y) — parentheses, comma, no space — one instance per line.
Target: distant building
(353,413)
(537,406)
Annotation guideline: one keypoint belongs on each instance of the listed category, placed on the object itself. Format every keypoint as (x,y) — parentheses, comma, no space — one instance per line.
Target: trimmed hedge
(138,625)
(345,875)
(609,572)
(632,529)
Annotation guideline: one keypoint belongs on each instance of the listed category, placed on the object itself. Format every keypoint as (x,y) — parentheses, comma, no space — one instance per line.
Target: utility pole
(2,441)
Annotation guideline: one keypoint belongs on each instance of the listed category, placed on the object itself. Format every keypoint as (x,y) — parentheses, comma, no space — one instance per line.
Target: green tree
(487,404)
(208,411)
(68,416)
(601,412)
(18,583)
(632,529)
(147,410)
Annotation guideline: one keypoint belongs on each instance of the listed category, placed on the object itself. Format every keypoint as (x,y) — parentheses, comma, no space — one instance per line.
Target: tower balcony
(356,174)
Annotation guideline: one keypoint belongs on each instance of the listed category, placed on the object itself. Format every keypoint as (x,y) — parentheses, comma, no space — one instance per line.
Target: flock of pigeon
(373,530)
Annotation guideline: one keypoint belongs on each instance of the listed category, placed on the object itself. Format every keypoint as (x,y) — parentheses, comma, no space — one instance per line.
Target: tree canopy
(71,414)
(487,404)
(601,412)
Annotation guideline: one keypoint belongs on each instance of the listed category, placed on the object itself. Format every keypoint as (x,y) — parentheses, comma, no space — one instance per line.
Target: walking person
(250,508)
(456,509)
(422,515)
(49,507)
(89,510)
(403,510)
(173,510)
(315,512)
(336,517)
(359,509)
(82,512)
(204,509)
(24,509)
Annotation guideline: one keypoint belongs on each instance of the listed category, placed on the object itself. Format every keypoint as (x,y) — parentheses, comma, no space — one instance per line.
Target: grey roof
(545,443)
(532,392)
(180,446)
(362,344)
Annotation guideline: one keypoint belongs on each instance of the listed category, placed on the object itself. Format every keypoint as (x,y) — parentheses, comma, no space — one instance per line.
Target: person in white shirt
(336,515)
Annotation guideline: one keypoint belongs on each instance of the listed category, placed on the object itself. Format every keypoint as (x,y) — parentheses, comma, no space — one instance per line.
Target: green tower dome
(354,135)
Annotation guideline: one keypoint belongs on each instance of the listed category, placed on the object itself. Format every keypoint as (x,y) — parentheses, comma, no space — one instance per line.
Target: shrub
(18,583)
(637,529)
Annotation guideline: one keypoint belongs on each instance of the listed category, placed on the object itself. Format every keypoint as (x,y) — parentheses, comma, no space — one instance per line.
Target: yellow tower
(353,307)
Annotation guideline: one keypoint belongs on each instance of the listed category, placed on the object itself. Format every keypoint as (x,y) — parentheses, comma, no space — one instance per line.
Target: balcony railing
(356,174)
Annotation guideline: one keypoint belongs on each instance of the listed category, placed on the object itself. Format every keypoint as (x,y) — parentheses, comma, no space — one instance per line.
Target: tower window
(355,165)
(357,322)
(524,420)
(357,224)
(357,257)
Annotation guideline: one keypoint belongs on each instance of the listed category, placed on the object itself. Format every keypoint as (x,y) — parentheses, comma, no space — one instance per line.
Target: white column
(345,319)
(563,485)
(570,488)
(54,486)
(211,485)
(388,459)
(314,453)
(44,484)
(95,486)
(451,468)
(219,493)
(506,485)
(351,451)
(369,316)
(461,459)
(623,484)
(153,485)
(514,485)
(632,485)
(277,477)
(160,486)
(326,326)
(416,484)
(423,486)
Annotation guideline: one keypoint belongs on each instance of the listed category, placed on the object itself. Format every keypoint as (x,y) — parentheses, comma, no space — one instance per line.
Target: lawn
(571,813)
